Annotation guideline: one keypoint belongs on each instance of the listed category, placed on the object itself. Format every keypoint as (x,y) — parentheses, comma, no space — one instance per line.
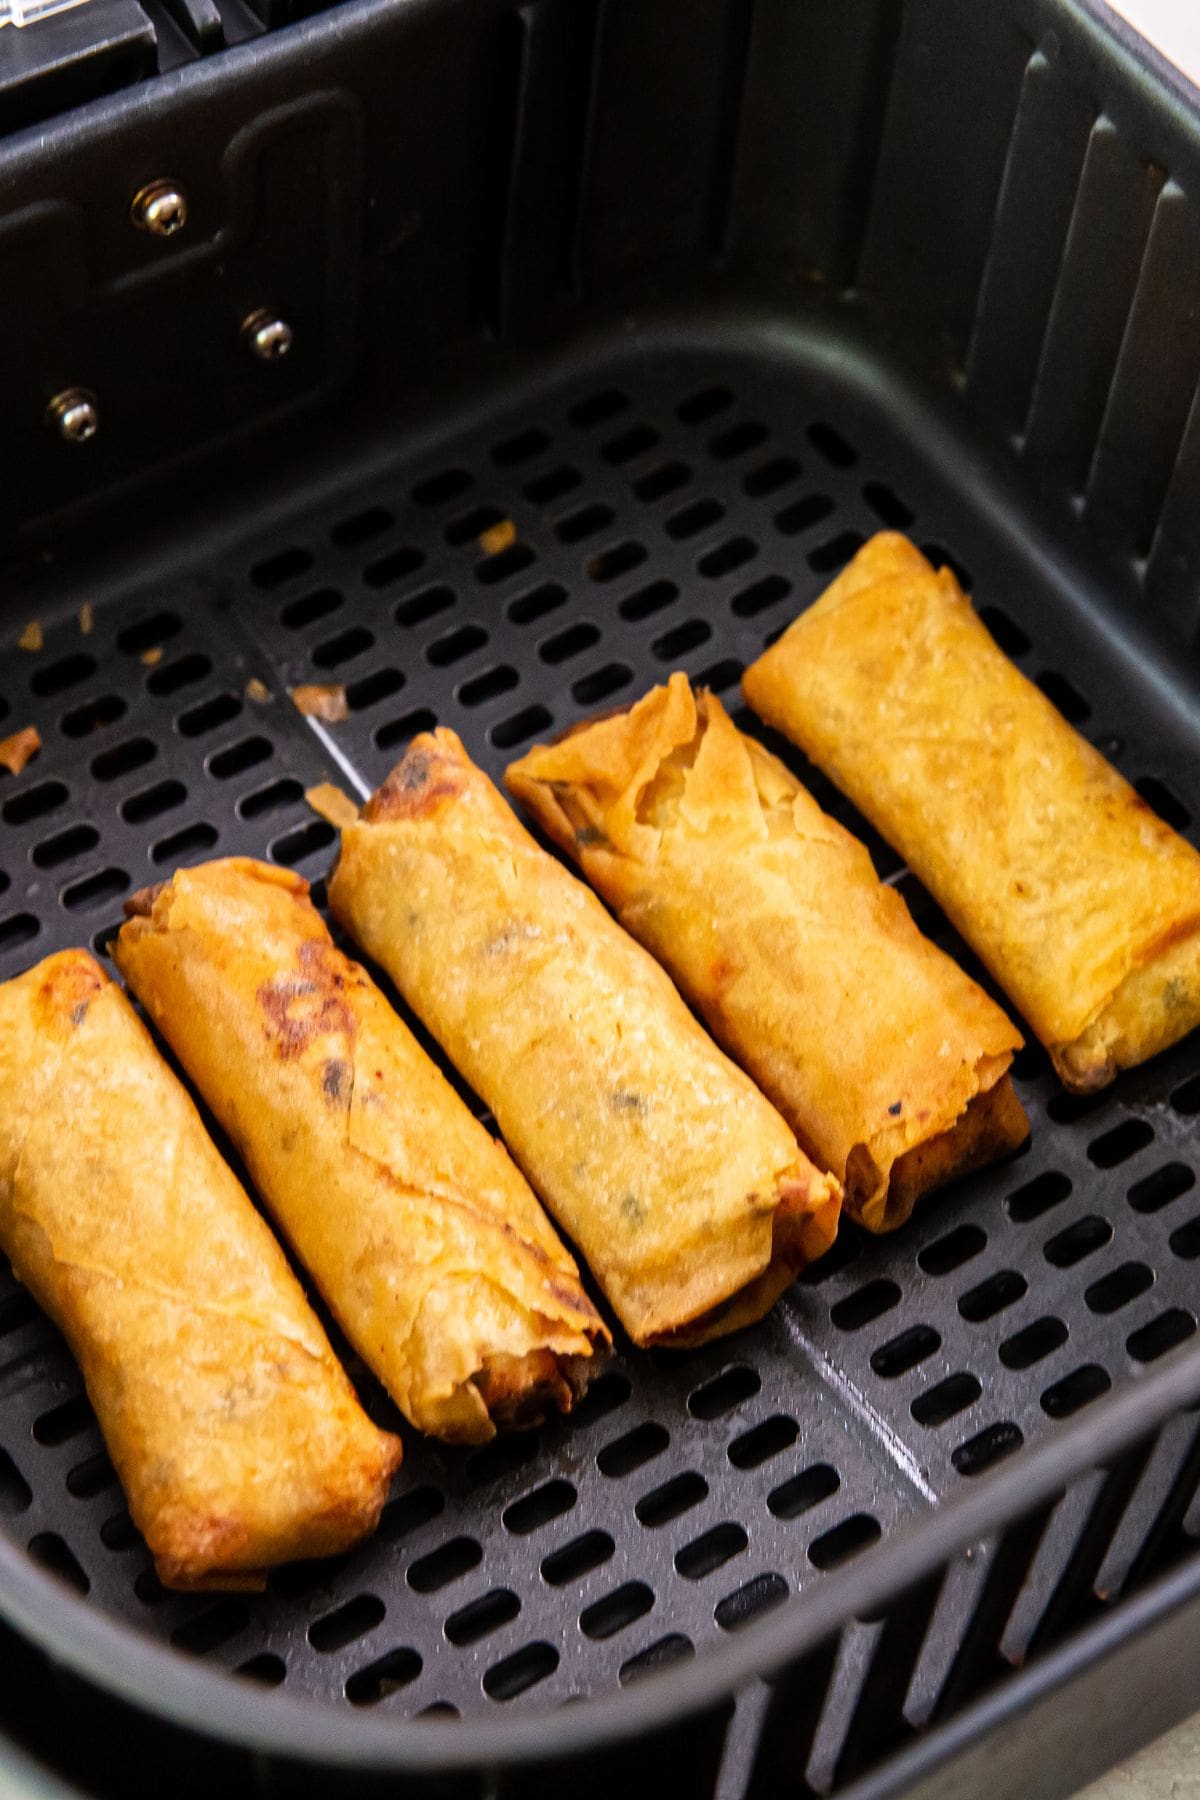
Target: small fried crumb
(32,638)
(19,749)
(151,657)
(332,804)
(498,537)
(326,703)
(257,690)
(87,619)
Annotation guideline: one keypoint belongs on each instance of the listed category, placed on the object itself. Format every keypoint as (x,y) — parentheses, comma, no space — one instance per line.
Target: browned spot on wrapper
(332,804)
(20,749)
(32,638)
(327,703)
(307,1004)
(414,787)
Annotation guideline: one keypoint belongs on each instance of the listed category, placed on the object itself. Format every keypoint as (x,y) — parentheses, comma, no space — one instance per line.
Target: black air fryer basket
(697,294)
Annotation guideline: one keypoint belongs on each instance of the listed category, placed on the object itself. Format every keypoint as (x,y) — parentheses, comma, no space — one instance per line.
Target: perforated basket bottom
(670,511)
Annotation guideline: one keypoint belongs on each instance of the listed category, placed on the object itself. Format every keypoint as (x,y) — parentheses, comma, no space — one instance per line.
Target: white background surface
(1169,1769)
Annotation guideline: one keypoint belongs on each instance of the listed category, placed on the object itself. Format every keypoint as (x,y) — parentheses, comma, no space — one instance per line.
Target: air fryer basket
(696,297)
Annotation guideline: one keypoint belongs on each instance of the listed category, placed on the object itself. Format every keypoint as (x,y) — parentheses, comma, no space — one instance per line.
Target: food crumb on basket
(257,690)
(498,537)
(327,703)
(19,749)
(332,803)
(87,619)
(32,638)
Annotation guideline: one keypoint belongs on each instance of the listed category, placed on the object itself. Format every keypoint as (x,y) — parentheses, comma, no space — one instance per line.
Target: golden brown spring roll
(1083,904)
(429,1248)
(679,1182)
(888,1063)
(236,1435)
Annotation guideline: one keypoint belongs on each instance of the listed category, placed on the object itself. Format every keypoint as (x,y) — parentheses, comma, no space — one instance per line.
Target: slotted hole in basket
(408,1511)
(479,1618)
(942,558)
(770,476)
(119,1534)
(753,1598)
(122,759)
(835,551)
(711,1550)
(721,675)
(549,1501)
(1081,1239)
(35,802)
(305,840)
(554,485)
(836,449)
(1186,1099)
(724,558)
(309,608)
(887,505)
(1119,1287)
(454,645)
(671,1500)
(214,1626)
(503,1456)
(770,1438)
(1075,1391)
(987,1447)
(400,730)
(275,570)
(1185,1240)
(1118,1145)
(759,596)
(730,1389)
(1065,696)
(847,1540)
(704,405)
(845,1249)
(1164,1333)
(635,441)
(673,1648)
(1033,1343)
(1068,1109)
(56,1555)
(369,690)
(65,846)
(615,1612)
(446,485)
(425,605)
(666,478)
(18,929)
(273,798)
(946,1399)
(1038,1196)
(589,690)
(521,447)
(173,677)
(209,715)
(95,714)
(91,1477)
(603,1396)
(570,642)
(1001,1290)
(599,408)
(235,759)
(396,565)
(577,1559)
(905,1351)
(388,1674)
(266,1669)
(15,1492)
(585,522)
(152,802)
(1007,633)
(526,609)
(737,440)
(800,1493)
(449,1562)
(648,600)
(530,722)
(950,1252)
(16,1311)
(181,846)
(346,1623)
(865,1305)
(335,651)
(361,527)
(1164,801)
(804,513)
(680,639)
(633,1449)
(517,1673)
(95,890)
(617,560)
(694,518)
(66,673)
(489,686)
(470,526)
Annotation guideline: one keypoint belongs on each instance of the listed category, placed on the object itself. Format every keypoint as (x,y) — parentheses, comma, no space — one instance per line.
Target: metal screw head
(160,208)
(74,415)
(267,337)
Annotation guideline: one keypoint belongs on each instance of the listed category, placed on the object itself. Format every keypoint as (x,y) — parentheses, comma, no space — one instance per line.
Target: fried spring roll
(889,1063)
(433,1255)
(679,1182)
(237,1437)
(1083,904)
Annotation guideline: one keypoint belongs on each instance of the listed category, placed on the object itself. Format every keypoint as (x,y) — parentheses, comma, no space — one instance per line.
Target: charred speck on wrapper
(336,1081)
(623,1100)
(80,1012)
(895,1108)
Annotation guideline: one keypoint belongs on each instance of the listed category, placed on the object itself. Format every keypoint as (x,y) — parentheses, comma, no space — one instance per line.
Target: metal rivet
(74,415)
(160,208)
(267,337)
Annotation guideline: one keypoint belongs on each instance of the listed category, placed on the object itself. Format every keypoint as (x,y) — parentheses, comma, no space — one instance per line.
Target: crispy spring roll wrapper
(887,1061)
(237,1437)
(679,1182)
(427,1244)
(1083,904)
